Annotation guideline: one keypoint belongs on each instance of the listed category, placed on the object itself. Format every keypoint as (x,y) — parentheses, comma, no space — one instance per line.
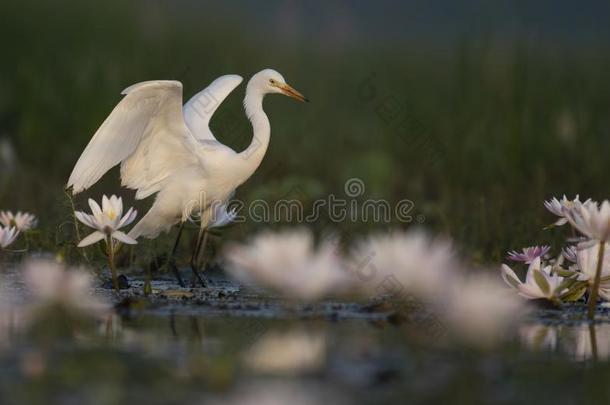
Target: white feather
(150,115)
(199,109)
(169,150)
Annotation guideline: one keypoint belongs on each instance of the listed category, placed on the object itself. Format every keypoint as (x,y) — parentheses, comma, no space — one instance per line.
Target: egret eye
(271,81)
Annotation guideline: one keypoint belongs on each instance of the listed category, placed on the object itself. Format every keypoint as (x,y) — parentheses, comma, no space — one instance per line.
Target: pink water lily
(107,221)
(528,254)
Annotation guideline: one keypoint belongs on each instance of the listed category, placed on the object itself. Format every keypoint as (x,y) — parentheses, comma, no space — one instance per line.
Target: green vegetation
(476,134)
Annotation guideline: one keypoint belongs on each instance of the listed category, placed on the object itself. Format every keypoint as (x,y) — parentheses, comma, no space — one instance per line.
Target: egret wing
(146,132)
(200,108)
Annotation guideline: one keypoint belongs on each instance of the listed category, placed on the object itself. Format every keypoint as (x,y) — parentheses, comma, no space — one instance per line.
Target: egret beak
(290,92)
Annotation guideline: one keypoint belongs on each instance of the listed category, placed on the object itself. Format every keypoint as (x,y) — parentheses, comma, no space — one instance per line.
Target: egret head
(271,81)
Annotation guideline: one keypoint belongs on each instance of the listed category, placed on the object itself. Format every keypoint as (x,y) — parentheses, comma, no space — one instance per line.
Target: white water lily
(23,221)
(51,283)
(419,263)
(289,263)
(557,207)
(222,216)
(570,253)
(479,310)
(586,259)
(592,220)
(107,220)
(7,235)
(539,282)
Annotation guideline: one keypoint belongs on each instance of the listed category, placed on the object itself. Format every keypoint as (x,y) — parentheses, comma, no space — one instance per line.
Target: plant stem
(75,221)
(598,275)
(115,281)
(26,239)
(593,338)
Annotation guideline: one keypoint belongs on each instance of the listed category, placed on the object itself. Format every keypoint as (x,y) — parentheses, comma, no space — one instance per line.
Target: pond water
(236,345)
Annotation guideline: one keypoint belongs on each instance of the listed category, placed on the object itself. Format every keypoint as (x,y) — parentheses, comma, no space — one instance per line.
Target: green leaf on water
(566,283)
(541,281)
(564,272)
(177,294)
(147,288)
(575,293)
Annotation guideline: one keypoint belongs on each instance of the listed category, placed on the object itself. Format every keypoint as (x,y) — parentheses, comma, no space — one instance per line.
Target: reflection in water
(580,342)
(539,337)
(48,349)
(280,393)
(285,353)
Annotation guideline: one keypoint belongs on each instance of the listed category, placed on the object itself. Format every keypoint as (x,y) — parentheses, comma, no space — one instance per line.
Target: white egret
(169,150)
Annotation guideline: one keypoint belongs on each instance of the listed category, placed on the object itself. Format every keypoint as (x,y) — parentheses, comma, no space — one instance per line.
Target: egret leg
(201,240)
(171,262)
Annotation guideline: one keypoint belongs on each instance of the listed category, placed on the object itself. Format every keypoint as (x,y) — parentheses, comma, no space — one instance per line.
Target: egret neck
(253,155)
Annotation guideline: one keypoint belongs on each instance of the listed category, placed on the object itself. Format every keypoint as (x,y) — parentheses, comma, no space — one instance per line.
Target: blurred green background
(476,111)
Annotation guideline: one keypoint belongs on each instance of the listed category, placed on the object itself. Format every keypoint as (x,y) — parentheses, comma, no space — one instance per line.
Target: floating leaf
(575,293)
(563,272)
(543,284)
(566,283)
(177,294)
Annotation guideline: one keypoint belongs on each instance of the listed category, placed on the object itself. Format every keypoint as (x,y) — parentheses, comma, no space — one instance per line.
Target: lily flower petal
(128,218)
(123,237)
(91,239)
(95,209)
(509,277)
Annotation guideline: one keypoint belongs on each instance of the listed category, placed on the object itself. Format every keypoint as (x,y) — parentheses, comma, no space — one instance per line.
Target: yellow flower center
(111,214)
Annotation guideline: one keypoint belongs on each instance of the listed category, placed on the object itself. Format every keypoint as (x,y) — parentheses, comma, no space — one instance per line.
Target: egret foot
(198,276)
